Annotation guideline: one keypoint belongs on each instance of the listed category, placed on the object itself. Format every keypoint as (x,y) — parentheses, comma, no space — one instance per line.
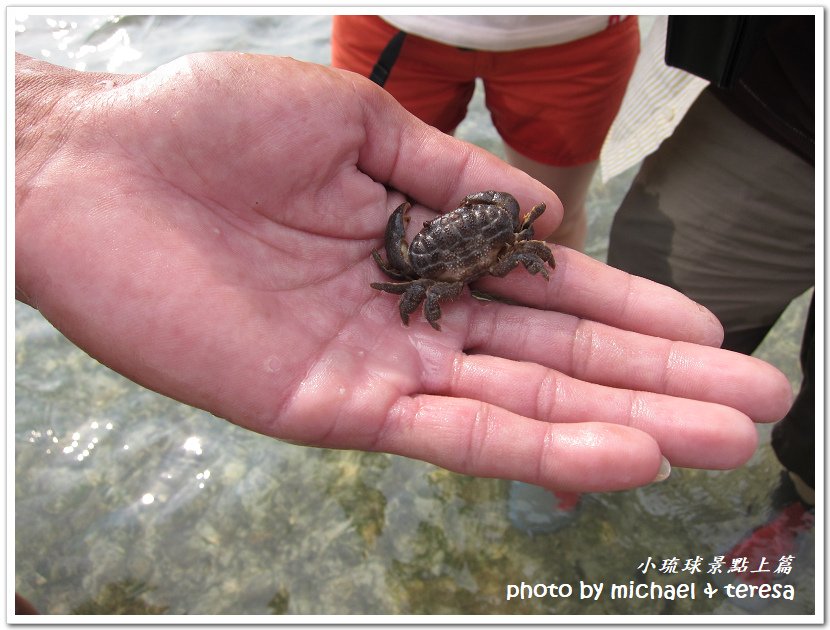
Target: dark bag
(714,47)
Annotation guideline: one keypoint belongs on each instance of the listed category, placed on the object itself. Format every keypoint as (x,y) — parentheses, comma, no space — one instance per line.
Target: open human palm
(207,229)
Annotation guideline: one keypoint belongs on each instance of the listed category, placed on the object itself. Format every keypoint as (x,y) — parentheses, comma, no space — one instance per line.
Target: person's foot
(768,553)
(535,510)
(765,546)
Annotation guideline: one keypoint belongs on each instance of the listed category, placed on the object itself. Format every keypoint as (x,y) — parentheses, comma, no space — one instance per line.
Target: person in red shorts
(553,84)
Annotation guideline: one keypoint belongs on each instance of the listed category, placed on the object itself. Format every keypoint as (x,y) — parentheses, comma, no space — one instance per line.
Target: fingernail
(664,472)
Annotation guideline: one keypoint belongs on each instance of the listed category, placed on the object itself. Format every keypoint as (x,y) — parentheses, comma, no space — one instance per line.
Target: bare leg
(571,185)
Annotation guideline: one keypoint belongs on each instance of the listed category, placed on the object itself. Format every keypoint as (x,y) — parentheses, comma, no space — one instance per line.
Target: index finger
(589,289)
(436,169)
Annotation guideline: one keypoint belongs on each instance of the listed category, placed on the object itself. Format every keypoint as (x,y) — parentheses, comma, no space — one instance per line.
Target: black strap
(380,73)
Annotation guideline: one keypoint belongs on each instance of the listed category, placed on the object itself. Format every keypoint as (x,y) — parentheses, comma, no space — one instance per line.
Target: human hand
(206,230)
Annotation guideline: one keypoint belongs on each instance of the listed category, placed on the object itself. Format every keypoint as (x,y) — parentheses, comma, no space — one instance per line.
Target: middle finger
(690,433)
(598,353)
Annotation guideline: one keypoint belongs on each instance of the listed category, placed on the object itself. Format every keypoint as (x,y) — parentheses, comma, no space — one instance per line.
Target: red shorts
(552,104)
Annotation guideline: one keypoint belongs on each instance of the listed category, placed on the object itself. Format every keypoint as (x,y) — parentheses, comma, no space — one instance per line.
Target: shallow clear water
(128,502)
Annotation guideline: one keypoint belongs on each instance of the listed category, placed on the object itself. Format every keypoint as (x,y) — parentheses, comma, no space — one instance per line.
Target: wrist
(47,101)
(39,88)
(50,106)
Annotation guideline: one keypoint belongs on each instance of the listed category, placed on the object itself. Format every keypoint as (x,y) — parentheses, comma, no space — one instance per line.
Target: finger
(690,433)
(475,438)
(597,353)
(434,168)
(587,288)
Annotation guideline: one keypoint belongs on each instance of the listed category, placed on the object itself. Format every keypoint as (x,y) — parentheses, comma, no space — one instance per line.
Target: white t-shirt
(657,99)
(502,32)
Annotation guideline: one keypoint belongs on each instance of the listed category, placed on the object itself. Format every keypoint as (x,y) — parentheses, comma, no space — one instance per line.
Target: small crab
(482,236)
